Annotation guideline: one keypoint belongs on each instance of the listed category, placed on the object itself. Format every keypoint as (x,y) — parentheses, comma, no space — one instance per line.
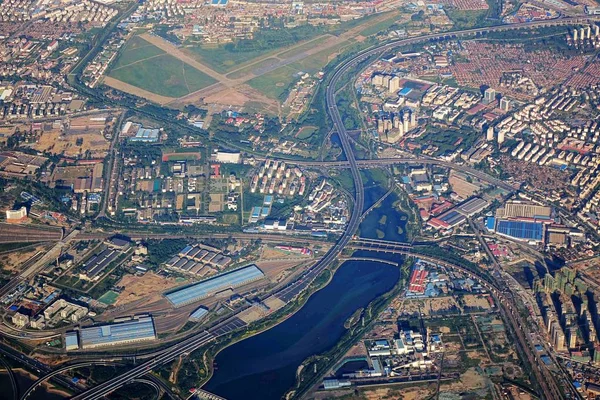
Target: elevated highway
(548,386)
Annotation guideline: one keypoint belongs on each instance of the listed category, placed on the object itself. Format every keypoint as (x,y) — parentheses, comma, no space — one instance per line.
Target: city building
(16,216)
(228,157)
(489,96)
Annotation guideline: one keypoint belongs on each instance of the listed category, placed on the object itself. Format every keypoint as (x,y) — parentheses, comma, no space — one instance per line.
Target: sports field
(109,298)
(147,67)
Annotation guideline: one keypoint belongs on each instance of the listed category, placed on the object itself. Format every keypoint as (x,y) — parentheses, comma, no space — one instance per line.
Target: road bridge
(370,259)
(203,394)
(11,377)
(550,391)
(63,369)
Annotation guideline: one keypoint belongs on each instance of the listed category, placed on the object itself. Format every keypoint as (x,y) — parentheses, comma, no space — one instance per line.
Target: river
(263,367)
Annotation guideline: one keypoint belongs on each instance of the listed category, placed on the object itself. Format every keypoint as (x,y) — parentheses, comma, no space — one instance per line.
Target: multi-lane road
(288,292)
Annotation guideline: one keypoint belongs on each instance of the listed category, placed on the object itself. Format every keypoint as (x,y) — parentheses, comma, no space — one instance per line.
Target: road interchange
(289,292)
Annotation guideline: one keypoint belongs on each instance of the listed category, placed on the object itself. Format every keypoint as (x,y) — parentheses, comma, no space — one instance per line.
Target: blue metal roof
(198,314)
(521,229)
(210,286)
(103,335)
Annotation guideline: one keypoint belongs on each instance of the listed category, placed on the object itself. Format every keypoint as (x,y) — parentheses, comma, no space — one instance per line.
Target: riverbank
(271,359)
(209,354)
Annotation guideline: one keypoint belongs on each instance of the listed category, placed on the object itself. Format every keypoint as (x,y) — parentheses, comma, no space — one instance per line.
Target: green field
(467,19)
(109,298)
(275,83)
(380,26)
(136,49)
(306,132)
(222,60)
(164,75)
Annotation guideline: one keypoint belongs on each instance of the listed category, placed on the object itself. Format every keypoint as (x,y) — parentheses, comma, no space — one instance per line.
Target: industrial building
(516,209)
(199,314)
(146,135)
(213,285)
(97,263)
(521,230)
(71,341)
(472,206)
(136,329)
(227,157)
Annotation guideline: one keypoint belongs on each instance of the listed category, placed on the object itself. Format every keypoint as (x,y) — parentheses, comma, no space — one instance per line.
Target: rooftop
(213,285)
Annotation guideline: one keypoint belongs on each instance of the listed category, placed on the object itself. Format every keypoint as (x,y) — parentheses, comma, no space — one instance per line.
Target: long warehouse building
(136,329)
(215,284)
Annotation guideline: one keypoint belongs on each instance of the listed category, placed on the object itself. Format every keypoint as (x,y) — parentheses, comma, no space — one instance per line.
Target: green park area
(144,65)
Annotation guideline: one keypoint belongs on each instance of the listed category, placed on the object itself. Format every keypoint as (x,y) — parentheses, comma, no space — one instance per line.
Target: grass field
(467,19)
(164,75)
(109,298)
(136,49)
(275,83)
(380,26)
(306,132)
(222,60)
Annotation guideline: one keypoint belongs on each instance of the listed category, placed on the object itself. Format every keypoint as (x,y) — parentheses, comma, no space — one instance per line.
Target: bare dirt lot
(13,261)
(472,300)
(54,142)
(148,285)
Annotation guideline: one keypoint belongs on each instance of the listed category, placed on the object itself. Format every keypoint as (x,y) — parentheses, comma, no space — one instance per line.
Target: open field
(164,75)
(136,91)
(306,132)
(382,25)
(222,60)
(14,260)
(109,298)
(135,50)
(257,77)
(273,84)
(138,287)
(53,142)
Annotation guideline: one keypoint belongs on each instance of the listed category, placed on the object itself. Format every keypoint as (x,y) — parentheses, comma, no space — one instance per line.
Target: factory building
(213,285)
(136,329)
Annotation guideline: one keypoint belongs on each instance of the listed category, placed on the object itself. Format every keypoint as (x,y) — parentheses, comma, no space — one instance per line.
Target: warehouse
(136,329)
(472,206)
(213,285)
(517,209)
(521,230)
(198,314)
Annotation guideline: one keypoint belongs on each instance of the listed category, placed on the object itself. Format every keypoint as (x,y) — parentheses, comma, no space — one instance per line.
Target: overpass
(62,369)
(287,293)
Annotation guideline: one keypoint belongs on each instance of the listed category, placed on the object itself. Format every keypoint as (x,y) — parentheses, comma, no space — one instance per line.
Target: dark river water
(385,222)
(263,367)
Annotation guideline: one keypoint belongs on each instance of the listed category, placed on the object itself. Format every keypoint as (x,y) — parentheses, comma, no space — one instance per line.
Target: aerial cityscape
(294,199)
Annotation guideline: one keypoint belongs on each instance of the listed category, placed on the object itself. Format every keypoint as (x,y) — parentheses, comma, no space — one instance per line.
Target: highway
(287,293)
